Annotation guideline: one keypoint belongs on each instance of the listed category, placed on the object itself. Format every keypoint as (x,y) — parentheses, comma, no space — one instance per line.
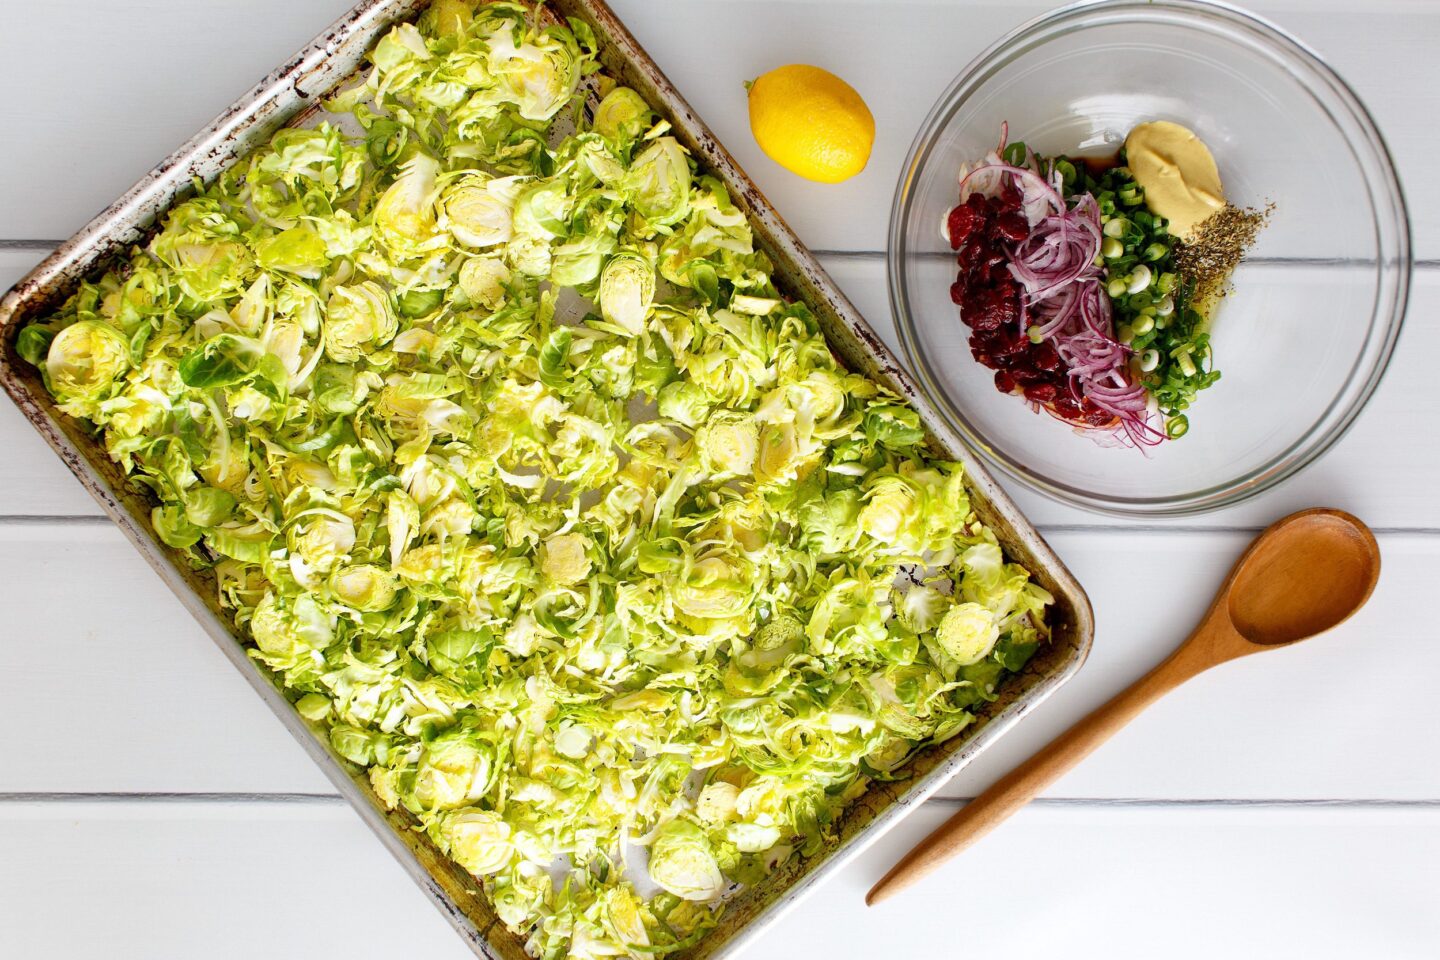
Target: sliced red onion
(1053,313)
(1060,250)
(1028,182)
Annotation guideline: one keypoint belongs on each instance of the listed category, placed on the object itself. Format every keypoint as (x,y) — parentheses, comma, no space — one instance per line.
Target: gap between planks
(1075,803)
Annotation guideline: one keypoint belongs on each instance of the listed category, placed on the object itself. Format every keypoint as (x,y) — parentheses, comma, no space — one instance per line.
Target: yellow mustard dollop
(1178,174)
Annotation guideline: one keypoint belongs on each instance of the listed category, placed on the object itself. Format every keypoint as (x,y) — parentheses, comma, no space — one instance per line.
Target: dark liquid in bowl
(1098,165)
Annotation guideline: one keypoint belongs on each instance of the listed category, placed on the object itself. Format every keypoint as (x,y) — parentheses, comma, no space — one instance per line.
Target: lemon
(811,122)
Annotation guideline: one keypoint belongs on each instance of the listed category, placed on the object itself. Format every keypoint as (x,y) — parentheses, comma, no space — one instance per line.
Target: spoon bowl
(1307,574)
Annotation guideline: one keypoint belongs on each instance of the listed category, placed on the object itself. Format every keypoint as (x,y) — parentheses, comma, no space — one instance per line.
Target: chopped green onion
(1151,310)
(1139,280)
(1187,364)
(1177,426)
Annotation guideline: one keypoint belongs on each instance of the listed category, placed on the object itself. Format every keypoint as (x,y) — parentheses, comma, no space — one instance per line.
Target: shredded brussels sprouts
(624,607)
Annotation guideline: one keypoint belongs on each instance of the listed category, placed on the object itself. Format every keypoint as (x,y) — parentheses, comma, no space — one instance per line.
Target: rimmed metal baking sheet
(289,95)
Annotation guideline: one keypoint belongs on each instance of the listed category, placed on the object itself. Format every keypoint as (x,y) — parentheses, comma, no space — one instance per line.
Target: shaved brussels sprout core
(541,501)
(563,558)
(968,633)
(357,318)
(659,183)
(622,116)
(682,862)
(479,840)
(627,290)
(84,361)
(479,211)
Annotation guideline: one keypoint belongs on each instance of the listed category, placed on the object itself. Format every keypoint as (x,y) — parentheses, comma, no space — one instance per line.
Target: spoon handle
(1021,785)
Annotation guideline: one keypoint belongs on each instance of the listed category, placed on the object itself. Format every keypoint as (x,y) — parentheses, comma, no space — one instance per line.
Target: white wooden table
(1284,807)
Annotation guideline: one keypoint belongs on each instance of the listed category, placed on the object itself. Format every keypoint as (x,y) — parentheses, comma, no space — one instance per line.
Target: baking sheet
(290,95)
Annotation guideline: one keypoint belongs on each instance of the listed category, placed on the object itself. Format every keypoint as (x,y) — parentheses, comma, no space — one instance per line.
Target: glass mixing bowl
(1305,336)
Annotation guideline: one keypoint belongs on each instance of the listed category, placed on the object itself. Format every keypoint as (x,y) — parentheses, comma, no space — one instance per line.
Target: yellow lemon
(811,123)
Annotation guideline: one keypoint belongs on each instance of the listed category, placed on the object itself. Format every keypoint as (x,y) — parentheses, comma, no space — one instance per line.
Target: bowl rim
(1391,214)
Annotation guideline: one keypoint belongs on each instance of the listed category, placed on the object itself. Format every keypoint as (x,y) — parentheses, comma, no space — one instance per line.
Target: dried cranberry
(996,310)
(962,222)
(983,349)
(1045,356)
(1093,415)
(984,319)
(1012,226)
(1028,376)
(1008,288)
(1002,313)
(1014,346)
(1042,392)
(982,231)
(972,252)
(1066,407)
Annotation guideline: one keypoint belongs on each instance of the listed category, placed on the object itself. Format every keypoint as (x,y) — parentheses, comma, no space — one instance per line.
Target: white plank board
(132,697)
(1370,472)
(242,881)
(117,691)
(112,700)
(227,881)
(1179,884)
(199,56)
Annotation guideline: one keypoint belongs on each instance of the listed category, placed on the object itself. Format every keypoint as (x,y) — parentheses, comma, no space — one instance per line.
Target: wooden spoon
(1302,576)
